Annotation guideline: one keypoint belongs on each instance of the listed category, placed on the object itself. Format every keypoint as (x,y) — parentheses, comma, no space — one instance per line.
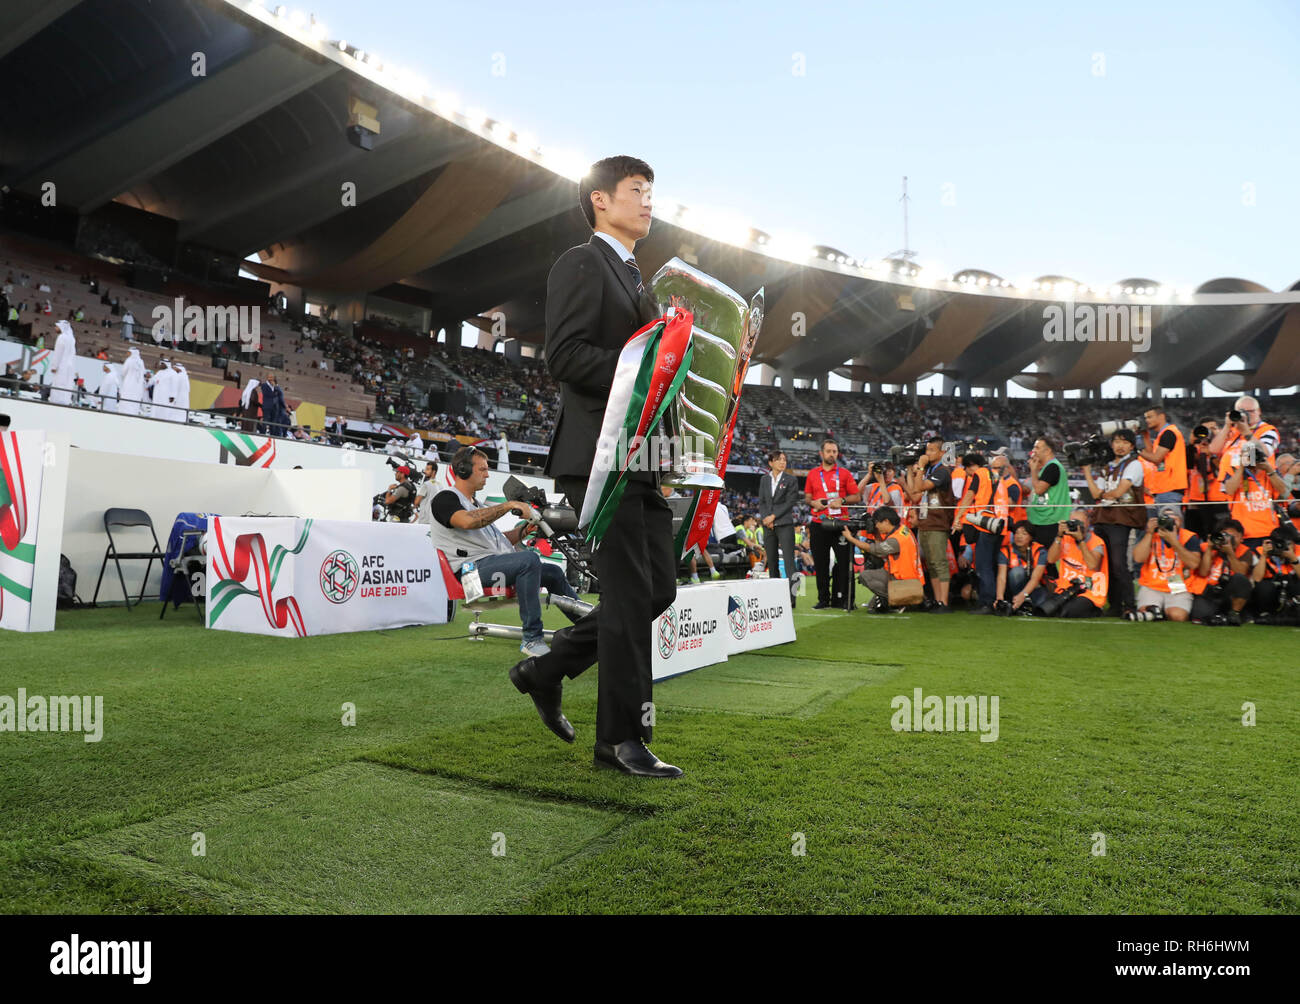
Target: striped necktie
(636,275)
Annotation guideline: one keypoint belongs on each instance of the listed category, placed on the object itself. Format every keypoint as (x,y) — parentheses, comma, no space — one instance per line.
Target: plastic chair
(127,518)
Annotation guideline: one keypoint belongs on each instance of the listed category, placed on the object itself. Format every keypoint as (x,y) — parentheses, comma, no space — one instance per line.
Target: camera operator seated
(463,530)
(1081,582)
(1169,555)
(1276,586)
(400,497)
(1252,484)
(1022,565)
(900,561)
(1221,586)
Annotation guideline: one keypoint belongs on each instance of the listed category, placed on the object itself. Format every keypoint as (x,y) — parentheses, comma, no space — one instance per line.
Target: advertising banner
(758,613)
(22,462)
(691,633)
(298,577)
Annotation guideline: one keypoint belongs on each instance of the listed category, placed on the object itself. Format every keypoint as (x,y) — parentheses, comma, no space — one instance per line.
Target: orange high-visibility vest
(1019,513)
(1230,457)
(1071,567)
(1015,561)
(980,505)
(1196,582)
(1163,562)
(1170,474)
(906,564)
(1252,506)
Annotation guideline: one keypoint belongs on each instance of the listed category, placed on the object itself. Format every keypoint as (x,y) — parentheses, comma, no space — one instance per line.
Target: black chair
(125,518)
(192,567)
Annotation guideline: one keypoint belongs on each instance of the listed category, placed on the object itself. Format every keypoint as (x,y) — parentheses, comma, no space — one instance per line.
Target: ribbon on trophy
(693,535)
(13,523)
(651,369)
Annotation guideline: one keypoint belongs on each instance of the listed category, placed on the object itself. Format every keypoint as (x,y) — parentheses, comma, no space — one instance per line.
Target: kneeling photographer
(1276,585)
(1022,566)
(1081,584)
(893,562)
(1118,494)
(1169,555)
(1222,586)
(463,530)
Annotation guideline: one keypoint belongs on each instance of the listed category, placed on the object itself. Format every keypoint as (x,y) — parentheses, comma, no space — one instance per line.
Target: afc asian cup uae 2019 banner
(297,577)
(21,469)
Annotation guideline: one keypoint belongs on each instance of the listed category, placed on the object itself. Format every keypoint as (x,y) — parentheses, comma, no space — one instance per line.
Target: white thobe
(63,368)
(132,384)
(108,391)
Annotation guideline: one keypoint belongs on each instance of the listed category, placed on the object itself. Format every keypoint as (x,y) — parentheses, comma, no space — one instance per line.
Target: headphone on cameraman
(462,464)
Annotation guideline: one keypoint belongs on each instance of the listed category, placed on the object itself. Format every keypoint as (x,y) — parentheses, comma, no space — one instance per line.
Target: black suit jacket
(782,503)
(592,309)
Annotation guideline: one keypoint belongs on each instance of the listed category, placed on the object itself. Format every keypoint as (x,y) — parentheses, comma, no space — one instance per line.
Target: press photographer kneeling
(1169,555)
(893,563)
(1222,585)
(463,530)
(1022,565)
(1082,581)
(1276,585)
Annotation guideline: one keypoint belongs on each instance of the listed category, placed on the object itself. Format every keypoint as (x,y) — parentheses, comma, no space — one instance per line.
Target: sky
(1103,142)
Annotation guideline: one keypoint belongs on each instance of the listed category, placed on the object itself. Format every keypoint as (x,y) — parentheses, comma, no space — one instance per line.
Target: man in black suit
(777,495)
(595,302)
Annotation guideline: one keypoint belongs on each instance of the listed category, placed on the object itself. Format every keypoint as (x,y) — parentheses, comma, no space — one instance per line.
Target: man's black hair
(1126,435)
(1050,443)
(1157,406)
(604,176)
(973,460)
(934,439)
(771,457)
(1025,525)
(885,513)
(828,440)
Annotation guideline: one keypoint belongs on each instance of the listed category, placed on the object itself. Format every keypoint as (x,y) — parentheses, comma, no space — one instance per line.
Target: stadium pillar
(766,375)
(824,381)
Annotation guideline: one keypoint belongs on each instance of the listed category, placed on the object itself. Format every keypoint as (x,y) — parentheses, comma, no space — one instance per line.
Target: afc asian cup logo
(667,632)
(736,619)
(339,576)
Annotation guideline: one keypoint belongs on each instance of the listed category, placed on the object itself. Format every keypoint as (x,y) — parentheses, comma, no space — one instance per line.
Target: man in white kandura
(132,384)
(63,365)
(162,383)
(180,392)
(108,389)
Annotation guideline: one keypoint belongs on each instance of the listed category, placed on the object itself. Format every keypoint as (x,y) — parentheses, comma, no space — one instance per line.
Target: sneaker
(941,608)
(695,580)
(982,610)
(715,574)
(536,647)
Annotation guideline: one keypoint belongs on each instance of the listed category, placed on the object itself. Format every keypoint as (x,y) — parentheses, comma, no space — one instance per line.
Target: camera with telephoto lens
(1236,416)
(907,456)
(559,525)
(1051,606)
(993,524)
(1109,429)
(1074,526)
(1145,614)
(1200,433)
(1166,522)
(1094,451)
(1221,540)
(1003,608)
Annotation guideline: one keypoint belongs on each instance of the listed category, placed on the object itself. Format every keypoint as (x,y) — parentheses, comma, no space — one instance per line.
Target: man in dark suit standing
(595,302)
(777,495)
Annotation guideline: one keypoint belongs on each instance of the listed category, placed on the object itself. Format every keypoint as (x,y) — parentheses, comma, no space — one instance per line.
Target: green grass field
(447,795)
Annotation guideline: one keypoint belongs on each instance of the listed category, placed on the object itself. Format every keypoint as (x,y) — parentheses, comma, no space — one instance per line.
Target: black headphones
(462,464)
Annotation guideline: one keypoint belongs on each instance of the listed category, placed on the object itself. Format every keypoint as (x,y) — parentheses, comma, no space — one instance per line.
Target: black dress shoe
(821,606)
(547,699)
(633,756)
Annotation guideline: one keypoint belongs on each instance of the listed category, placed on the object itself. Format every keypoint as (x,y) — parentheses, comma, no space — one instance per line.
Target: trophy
(702,415)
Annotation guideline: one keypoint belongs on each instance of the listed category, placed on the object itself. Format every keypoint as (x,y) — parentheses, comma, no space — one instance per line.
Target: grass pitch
(447,795)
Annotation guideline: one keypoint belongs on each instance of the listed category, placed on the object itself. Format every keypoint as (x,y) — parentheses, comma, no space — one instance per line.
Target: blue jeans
(986,566)
(1161,499)
(527,572)
(1017,579)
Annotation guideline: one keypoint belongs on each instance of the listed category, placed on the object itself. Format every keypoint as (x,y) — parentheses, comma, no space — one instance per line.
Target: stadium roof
(459,213)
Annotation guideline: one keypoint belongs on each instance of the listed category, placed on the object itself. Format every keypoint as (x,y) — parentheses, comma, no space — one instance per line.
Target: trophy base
(691,482)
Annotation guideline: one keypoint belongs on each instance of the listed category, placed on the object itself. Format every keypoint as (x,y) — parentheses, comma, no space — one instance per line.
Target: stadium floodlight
(447,101)
(342,46)
(476,117)
(298,19)
(318,30)
(526,141)
(281,11)
(501,132)
(1067,288)
(1128,290)
(788,247)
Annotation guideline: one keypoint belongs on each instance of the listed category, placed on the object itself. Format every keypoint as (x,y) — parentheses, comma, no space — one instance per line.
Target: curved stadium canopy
(459,214)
